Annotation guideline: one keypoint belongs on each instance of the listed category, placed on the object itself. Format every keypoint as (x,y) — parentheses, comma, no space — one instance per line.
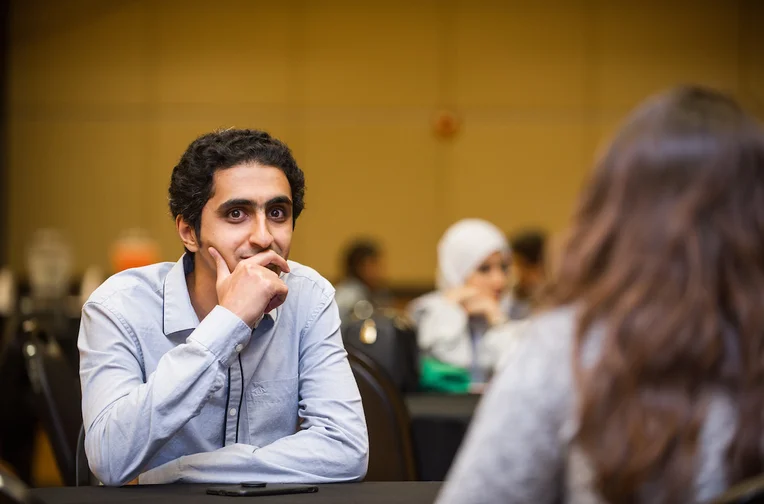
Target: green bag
(441,377)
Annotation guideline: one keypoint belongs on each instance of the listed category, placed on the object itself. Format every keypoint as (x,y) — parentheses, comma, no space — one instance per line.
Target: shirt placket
(235,403)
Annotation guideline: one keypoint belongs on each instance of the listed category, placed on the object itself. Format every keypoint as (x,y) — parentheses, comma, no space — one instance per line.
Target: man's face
(527,277)
(373,272)
(249,212)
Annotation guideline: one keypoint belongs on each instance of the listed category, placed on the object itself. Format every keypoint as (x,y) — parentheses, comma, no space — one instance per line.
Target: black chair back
(17,431)
(83,476)
(56,389)
(391,455)
(390,342)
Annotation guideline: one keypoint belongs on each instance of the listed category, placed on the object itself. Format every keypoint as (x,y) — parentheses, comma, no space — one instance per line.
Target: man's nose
(260,235)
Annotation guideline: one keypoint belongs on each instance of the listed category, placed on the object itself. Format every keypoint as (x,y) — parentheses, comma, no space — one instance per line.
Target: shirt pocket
(272,410)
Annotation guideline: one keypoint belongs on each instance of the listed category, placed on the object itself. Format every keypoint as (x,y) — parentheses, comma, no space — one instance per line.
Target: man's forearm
(308,456)
(128,421)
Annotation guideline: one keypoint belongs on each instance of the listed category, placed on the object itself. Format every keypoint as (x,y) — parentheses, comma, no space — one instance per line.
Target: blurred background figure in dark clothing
(364,284)
(528,271)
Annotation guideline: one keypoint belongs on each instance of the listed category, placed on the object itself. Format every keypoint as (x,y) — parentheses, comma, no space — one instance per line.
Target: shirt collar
(179,314)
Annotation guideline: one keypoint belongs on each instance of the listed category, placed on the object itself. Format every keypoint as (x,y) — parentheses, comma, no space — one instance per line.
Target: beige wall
(105,95)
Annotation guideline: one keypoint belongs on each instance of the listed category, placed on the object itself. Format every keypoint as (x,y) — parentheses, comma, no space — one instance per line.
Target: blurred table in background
(438,425)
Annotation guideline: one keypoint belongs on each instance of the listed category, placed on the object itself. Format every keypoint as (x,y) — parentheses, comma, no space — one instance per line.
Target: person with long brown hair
(644,380)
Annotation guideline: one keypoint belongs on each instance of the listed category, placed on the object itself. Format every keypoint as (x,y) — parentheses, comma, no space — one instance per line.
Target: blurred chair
(748,491)
(17,431)
(391,455)
(389,341)
(83,476)
(14,491)
(56,391)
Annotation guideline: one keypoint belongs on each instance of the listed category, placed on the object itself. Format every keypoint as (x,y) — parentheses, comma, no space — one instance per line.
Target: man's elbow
(109,479)
(102,466)
(107,475)
(358,459)
(359,471)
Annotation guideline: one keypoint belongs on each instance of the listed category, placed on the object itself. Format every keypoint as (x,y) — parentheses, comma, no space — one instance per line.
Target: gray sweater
(519,447)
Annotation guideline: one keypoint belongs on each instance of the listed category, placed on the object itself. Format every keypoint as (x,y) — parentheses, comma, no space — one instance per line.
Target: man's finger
(222,268)
(275,302)
(270,257)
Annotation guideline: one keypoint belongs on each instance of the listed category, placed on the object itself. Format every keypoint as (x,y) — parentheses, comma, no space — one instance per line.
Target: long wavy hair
(665,261)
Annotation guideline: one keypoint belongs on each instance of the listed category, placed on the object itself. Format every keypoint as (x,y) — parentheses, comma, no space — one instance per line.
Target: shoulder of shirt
(301,273)
(434,300)
(143,280)
(542,358)
(427,300)
(555,327)
(350,285)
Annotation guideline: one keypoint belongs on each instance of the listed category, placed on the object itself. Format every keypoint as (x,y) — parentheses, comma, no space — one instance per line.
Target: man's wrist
(223,333)
(252,323)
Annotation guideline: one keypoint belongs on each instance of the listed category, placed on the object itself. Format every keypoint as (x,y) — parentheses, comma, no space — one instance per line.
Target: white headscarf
(463,247)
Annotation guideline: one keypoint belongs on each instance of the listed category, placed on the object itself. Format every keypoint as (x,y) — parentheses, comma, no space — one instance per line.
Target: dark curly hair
(191,181)
(529,245)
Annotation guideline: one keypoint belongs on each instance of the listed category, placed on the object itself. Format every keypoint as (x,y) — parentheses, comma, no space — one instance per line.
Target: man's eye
(277,213)
(235,214)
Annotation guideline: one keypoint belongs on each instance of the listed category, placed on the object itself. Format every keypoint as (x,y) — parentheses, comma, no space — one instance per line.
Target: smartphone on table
(255,488)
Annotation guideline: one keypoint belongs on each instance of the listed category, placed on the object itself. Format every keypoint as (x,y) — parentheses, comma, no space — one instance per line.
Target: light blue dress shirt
(172,399)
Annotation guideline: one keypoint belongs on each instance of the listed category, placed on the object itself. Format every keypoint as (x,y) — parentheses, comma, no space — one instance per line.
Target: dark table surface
(350,493)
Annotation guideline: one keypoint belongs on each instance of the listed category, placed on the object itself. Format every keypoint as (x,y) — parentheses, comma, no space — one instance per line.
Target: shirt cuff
(222,333)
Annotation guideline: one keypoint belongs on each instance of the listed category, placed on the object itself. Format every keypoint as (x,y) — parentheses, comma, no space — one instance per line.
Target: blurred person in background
(457,323)
(48,261)
(644,382)
(49,264)
(528,271)
(228,365)
(133,248)
(364,278)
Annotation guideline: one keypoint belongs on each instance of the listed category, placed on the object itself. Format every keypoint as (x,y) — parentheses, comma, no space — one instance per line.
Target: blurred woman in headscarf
(456,323)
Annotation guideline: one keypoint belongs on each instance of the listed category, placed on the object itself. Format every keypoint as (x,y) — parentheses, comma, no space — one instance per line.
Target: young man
(528,271)
(364,278)
(227,366)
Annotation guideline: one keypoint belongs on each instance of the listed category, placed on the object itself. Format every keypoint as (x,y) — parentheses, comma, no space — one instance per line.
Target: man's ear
(187,234)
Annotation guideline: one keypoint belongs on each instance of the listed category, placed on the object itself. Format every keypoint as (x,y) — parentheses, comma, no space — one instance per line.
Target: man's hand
(252,288)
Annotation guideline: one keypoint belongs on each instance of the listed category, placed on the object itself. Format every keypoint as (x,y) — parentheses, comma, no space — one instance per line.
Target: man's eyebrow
(236,202)
(248,203)
(279,200)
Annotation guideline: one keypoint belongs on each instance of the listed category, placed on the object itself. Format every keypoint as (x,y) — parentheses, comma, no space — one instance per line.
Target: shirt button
(239,348)
(232,411)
